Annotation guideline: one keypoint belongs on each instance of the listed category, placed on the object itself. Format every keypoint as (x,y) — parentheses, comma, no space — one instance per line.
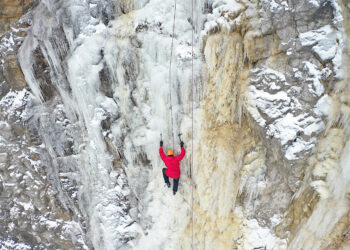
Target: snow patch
(322,40)
(257,237)
(275,6)
(274,106)
(315,3)
(10,244)
(323,106)
(225,15)
(314,76)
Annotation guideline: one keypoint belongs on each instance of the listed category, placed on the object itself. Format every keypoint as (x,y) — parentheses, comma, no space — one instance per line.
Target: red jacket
(172,163)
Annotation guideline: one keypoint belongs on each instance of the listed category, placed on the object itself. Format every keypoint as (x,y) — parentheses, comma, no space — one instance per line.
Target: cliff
(260,95)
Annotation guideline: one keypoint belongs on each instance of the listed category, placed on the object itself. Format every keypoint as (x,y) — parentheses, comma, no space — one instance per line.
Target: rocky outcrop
(12,11)
(32,207)
(269,76)
(14,22)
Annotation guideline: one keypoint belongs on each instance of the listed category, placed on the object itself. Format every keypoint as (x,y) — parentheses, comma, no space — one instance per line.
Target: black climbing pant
(166,179)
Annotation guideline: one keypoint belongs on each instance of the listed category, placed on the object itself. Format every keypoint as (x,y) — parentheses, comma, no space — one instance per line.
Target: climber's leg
(176,184)
(166,178)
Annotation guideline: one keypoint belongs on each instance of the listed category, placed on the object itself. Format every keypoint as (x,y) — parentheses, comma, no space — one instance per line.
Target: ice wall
(271,151)
(74,113)
(138,58)
(109,98)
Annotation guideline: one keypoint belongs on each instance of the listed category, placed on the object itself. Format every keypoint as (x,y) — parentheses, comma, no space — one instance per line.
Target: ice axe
(161,140)
(180,136)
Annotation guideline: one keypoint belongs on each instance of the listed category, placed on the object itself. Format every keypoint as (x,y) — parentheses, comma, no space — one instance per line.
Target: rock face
(86,89)
(12,30)
(12,11)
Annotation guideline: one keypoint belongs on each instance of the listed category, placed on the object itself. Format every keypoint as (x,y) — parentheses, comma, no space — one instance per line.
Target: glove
(161,143)
(182,144)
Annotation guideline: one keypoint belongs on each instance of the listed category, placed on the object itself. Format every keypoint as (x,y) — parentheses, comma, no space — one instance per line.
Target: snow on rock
(96,135)
(223,16)
(272,105)
(280,112)
(292,107)
(324,42)
(327,43)
(276,6)
(322,107)
(223,6)
(315,75)
(11,244)
(314,3)
(256,236)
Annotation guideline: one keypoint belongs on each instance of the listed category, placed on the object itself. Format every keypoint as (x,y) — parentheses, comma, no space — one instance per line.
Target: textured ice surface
(112,134)
(143,73)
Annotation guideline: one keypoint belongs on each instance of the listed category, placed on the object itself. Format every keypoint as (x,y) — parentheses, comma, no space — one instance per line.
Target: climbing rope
(192,79)
(171,105)
(170,85)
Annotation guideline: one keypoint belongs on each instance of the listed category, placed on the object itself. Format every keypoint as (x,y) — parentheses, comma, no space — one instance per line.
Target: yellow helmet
(170,152)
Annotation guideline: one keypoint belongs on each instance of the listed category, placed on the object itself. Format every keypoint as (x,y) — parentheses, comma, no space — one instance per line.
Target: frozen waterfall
(85,95)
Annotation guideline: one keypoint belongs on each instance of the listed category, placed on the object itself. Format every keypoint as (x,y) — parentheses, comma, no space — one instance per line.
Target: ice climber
(172,164)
